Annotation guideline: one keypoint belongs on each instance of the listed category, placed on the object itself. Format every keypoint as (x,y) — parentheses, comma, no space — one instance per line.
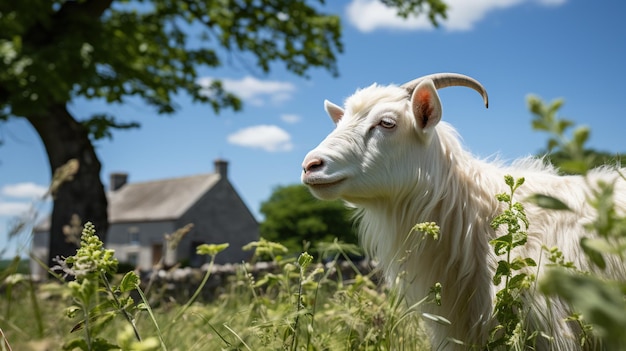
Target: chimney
(221,168)
(117,180)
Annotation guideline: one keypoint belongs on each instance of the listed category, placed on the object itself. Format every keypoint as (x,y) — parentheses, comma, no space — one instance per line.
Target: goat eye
(387,123)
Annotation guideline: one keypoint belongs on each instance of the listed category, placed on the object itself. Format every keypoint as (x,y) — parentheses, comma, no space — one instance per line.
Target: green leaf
(502,270)
(519,263)
(519,238)
(211,249)
(519,281)
(76,343)
(581,135)
(434,9)
(538,124)
(562,125)
(503,197)
(555,105)
(99,126)
(601,302)
(267,279)
(508,179)
(534,104)
(100,344)
(129,282)
(594,255)
(304,260)
(501,244)
(601,245)
(547,202)
(337,247)
(574,166)
(552,144)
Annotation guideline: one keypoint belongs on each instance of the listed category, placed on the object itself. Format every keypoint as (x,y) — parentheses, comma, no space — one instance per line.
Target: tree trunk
(84,195)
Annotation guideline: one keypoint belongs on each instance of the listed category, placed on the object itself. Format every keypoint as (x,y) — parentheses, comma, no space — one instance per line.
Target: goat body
(392,159)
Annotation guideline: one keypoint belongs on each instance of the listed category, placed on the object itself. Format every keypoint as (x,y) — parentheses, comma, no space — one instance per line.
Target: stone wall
(179,284)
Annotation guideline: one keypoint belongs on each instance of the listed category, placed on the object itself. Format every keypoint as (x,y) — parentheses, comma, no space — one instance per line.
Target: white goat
(392,159)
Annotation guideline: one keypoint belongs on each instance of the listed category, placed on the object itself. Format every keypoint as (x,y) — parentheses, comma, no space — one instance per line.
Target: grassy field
(285,311)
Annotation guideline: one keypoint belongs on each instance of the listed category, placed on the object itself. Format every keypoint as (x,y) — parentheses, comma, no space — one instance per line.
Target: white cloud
(255,91)
(369,15)
(551,2)
(267,137)
(24,190)
(290,118)
(13,208)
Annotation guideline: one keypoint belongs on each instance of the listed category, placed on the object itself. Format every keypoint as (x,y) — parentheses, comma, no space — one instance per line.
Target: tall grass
(304,306)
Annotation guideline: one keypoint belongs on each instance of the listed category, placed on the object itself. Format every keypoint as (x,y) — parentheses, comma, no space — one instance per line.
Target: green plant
(546,119)
(205,249)
(509,303)
(597,300)
(304,260)
(96,301)
(294,306)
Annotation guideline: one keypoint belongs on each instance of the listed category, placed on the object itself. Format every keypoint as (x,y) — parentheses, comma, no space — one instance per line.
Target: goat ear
(426,105)
(335,112)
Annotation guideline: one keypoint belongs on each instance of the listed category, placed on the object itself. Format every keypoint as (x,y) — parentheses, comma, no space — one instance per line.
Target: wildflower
(90,258)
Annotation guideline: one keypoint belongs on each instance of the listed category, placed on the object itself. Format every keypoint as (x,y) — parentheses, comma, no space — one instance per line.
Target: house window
(133,236)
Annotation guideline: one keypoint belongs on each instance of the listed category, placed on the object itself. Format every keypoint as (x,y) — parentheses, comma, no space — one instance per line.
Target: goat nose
(312,165)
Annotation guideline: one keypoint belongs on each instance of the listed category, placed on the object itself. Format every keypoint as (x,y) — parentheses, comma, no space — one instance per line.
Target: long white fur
(398,178)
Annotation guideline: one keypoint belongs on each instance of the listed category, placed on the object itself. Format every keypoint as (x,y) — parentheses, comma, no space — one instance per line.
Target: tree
(293,215)
(54,51)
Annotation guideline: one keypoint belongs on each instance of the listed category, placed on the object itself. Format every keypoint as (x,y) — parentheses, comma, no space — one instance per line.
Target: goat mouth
(320,184)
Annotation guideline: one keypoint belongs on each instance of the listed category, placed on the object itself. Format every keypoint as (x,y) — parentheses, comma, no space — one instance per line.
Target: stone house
(141,214)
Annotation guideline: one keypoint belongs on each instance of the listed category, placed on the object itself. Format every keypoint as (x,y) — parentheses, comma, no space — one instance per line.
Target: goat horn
(444,80)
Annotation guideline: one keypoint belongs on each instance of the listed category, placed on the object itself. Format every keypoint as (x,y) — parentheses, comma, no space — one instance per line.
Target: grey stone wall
(180,284)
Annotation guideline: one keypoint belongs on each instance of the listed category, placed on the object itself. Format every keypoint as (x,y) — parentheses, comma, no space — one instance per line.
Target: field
(332,314)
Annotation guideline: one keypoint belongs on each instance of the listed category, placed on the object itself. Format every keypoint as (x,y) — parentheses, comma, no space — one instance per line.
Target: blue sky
(572,49)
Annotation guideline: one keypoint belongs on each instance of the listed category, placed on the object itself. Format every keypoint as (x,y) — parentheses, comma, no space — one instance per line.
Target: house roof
(158,200)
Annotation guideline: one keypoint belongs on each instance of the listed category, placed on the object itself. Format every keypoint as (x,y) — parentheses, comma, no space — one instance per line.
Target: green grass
(248,315)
